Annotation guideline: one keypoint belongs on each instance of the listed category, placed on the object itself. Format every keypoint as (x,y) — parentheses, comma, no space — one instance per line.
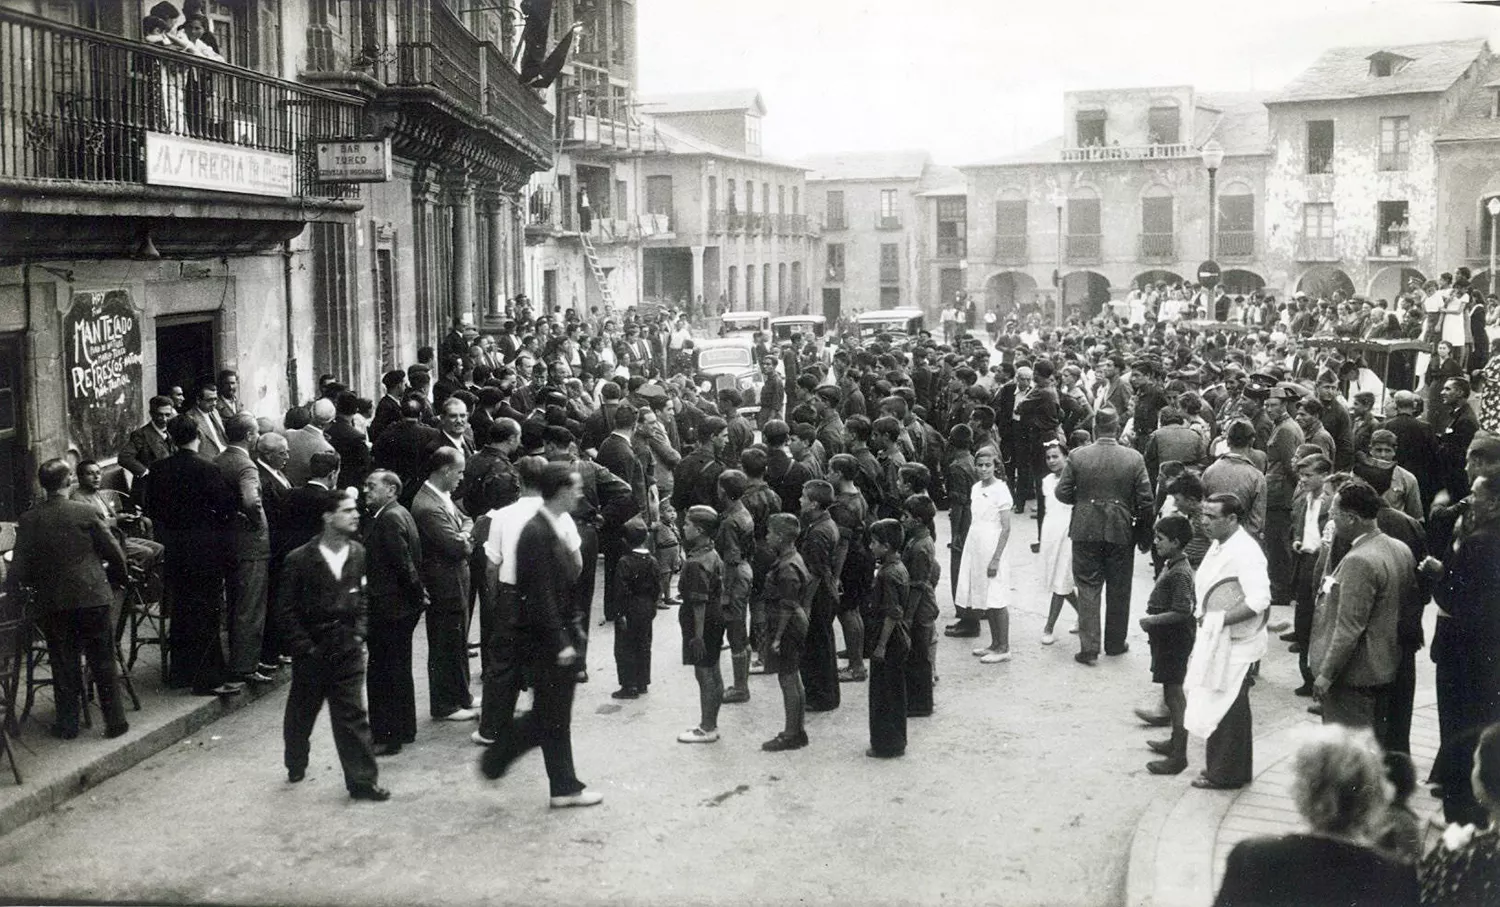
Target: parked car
(735,324)
(727,364)
(900,324)
(807,325)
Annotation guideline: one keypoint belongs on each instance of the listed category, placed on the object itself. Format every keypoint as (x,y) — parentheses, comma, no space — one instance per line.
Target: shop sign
(102,364)
(172,160)
(355,161)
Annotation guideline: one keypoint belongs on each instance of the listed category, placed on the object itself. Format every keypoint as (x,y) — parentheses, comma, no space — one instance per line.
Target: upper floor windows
(1320,146)
(1395,142)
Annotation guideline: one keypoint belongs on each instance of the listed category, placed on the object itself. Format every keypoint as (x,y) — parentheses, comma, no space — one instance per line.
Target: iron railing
(1235,244)
(952,247)
(1393,245)
(888,222)
(717,221)
(1083,248)
(1011,249)
(1157,245)
(77,105)
(1129,152)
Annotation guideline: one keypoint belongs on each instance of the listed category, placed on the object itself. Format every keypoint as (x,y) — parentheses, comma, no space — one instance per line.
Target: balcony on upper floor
(1393,245)
(1011,249)
(1083,248)
(89,108)
(603,119)
(1235,244)
(1160,151)
(1157,246)
(718,221)
(1318,248)
(952,247)
(887,221)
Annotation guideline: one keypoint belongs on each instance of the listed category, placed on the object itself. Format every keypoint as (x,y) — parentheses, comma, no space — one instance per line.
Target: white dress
(1057,548)
(977,591)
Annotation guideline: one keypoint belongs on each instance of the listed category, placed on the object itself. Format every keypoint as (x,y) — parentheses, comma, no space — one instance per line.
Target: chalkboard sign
(102,370)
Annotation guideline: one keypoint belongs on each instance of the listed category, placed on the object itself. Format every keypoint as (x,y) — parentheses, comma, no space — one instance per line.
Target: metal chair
(143,616)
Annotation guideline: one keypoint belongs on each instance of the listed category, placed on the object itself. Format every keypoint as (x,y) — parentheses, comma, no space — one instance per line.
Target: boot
(1176,759)
(740,692)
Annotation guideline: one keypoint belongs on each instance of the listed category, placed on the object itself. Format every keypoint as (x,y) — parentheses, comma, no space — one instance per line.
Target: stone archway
(1321,281)
(1239,282)
(1155,277)
(1007,293)
(1085,293)
(1389,282)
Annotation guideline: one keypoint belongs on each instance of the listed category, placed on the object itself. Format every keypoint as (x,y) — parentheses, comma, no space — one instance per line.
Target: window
(752,134)
(765,285)
(713,194)
(731,204)
(835,261)
(1236,237)
(1395,142)
(1010,230)
(1090,126)
(780,285)
(749,286)
(749,196)
(1384,64)
(765,198)
(952,232)
(1392,233)
(565,201)
(1317,233)
(734,286)
(890,262)
(796,200)
(618,24)
(890,297)
(1382,67)
(1320,146)
(890,216)
(1156,227)
(658,195)
(1162,126)
(1083,241)
(780,199)
(835,212)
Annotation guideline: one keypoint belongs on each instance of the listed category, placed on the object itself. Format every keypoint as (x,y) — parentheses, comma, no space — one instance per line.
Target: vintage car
(807,325)
(727,364)
(744,324)
(900,324)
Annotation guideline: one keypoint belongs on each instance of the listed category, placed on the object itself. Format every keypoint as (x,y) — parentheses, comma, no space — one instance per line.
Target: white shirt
(506,524)
(1312,536)
(1240,557)
(335,559)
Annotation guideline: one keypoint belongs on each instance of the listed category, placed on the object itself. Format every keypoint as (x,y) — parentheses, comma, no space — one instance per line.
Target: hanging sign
(355,161)
(101,341)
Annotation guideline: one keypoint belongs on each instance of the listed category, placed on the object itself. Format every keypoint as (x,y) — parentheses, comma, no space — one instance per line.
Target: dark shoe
(1296,648)
(1167,766)
(733,696)
(296,774)
(1019,508)
(849,675)
(117,730)
(783,742)
(1203,782)
(1316,709)
(873,754)
(372,792)
(1305,690)
(821,707)
(1160,747)
(1288,637)
(493,762)
(233,688)
(1085,658)
(387,749)
(63,733)
(1120,651)
(625,693)
(961,630)
(1036,547)
(256,676)
(1154,719)
(925,713)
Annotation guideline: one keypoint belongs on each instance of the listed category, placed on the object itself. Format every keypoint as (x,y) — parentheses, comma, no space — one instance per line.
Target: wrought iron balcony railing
(1235,244)
(1011,249)
(1157,245)
(1129,152)
(952,247)
(1083,248)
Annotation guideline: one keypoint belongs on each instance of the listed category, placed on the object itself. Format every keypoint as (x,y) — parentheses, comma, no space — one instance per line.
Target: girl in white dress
(1057,548)
(983,574)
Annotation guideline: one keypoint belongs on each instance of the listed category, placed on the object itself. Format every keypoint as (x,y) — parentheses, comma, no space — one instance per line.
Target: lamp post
(1213,157)
(1493,206)
(1059,201)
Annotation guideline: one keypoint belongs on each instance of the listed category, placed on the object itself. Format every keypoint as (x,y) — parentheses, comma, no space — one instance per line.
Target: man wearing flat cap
(1281,484)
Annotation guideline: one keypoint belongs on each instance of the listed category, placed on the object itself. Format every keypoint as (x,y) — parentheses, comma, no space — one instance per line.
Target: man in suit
(1416,445)
(633,352)
(601,422)
(1110,389)
(1281,482)
(444,532)
(275,488)
(772,393)
(249,562)
(192,508)
(1453,443)
(617,454)
(68,557)
(348,441)
(228,385)
(324,611)
(1107,485)
(388,408)
(150,442)
(301,518)
(310,439)
(205,414)
(393,548)
(1310,507)
(404,446)
(1354,649)
(454,423)
(548,637)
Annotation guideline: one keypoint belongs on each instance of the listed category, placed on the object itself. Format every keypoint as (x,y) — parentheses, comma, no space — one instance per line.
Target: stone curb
(45,794)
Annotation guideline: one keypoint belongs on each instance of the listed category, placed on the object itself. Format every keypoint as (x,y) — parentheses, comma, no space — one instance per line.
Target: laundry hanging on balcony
(540,69)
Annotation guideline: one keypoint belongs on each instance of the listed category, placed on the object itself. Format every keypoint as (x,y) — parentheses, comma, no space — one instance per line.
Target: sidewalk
(54,771)
(1183,839)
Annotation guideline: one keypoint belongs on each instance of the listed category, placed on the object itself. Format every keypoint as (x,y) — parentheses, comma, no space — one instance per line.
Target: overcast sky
(974,79)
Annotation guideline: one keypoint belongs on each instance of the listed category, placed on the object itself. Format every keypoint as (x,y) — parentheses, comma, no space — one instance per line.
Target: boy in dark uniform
(702,619)
(888,618)
(1170,625)
(920,557)
(638,589)
(851,513)
(735,542)
(787,593)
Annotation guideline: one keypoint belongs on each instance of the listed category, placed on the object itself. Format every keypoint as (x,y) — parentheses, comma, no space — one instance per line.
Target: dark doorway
(15,455)
(832,304)
(184,351)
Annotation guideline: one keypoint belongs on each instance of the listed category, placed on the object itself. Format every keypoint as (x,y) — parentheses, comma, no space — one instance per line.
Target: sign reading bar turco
(355,161)
(172,160)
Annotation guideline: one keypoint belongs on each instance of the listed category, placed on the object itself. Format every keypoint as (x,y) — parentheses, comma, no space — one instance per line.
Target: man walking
(1107,485)
(249,563)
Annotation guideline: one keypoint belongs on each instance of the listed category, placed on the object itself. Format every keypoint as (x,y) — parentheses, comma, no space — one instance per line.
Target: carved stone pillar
(492,204)
(461,194)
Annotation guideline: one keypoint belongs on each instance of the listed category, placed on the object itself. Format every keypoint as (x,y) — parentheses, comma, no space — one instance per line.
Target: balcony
(800,224)
(80,106)
(889,222)
(717,221)
(1083,248)
(1157,246)
(1130,152)
(600,119)
(1319,159)
(1394,160)
(1317,248)
(657,224)
(952,247)
(736,222)
(1011,249)
(835,223)
(1235,244)
(1393,246)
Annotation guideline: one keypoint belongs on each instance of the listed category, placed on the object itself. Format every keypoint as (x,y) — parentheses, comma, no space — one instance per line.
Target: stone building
(739,237)
(165,218)
(1467,148)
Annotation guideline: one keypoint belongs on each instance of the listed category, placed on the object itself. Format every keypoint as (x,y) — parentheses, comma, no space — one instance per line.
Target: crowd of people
(494,474)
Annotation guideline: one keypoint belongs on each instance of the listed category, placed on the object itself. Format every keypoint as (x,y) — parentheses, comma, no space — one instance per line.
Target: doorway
(15,454)
(832,304)
(184,350)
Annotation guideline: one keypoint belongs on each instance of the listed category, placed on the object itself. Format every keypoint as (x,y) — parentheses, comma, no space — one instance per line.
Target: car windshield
(751,323)
(724,357)
(884,326)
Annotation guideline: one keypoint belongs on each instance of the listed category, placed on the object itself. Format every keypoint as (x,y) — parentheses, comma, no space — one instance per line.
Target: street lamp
(1493,206)
(1059,201)
(1213,157)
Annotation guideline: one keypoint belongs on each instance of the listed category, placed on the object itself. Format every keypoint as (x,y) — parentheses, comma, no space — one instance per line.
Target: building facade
(165,218)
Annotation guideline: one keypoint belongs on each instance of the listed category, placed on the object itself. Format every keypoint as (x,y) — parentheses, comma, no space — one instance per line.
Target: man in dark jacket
(1416,445)
(393,549)
(446,545)
(325,622)
(150,442)
(354,453)
(405,446)
(249,561)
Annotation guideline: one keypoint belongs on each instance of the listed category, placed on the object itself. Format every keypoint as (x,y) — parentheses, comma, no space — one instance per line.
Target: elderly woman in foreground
(1465,867)
(1340,790)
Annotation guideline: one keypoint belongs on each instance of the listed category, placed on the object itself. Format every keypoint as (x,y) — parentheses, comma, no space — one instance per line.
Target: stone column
(461,193)
(494,214)
(696,289)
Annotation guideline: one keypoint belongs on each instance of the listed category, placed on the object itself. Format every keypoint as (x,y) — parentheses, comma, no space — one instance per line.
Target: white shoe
(995,658)
(698,735)
(480,740)
(460,715)
(981,650)
(582,798)
(1048,639)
